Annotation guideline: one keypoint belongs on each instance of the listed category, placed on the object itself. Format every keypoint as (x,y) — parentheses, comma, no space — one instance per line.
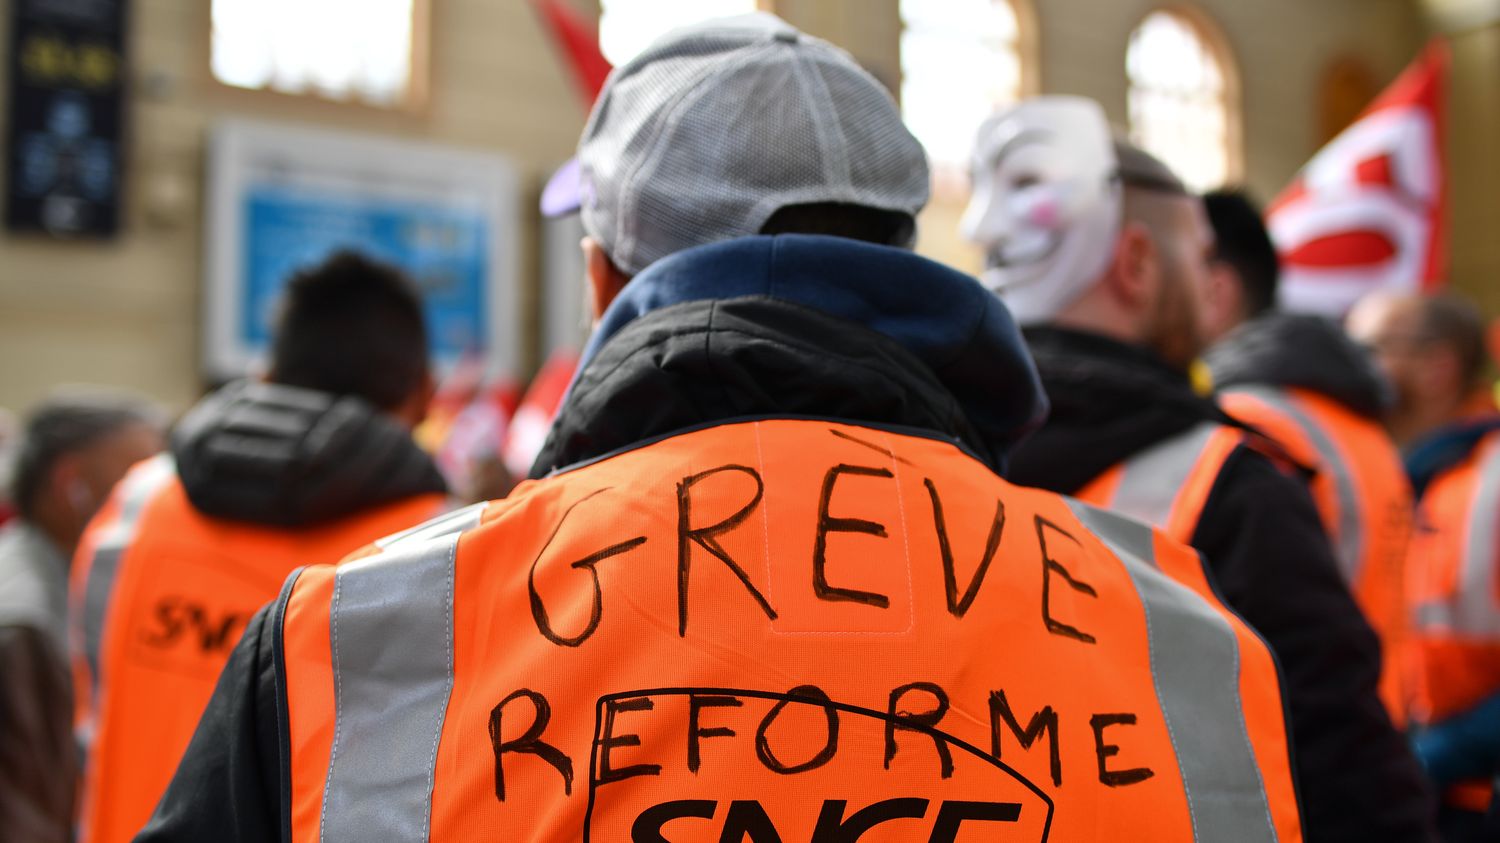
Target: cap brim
(563,194)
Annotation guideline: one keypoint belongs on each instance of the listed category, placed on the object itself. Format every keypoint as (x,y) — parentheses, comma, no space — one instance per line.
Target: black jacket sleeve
(228,786)
(37,755)
(1273,565)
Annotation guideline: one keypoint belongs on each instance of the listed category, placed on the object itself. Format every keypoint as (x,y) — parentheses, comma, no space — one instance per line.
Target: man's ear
(1134,267)
(605,279)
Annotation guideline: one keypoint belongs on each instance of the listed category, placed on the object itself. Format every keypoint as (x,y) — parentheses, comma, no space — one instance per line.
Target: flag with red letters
(1368,212)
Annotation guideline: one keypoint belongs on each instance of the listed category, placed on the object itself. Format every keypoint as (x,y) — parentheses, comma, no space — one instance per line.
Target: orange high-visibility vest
(1455,589)
(1167,485)
(161,594)
(780,630)
(1363,497)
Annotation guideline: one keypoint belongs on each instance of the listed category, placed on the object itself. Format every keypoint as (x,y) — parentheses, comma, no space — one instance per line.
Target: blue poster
(445,250)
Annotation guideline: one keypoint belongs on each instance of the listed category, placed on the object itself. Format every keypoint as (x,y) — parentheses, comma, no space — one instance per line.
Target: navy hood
(938,317)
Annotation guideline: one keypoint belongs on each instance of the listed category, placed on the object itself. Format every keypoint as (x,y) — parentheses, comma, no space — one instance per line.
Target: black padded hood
(290,457)
(1303,351)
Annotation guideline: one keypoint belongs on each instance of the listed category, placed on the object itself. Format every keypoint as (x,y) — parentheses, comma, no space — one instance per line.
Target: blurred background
(169,161)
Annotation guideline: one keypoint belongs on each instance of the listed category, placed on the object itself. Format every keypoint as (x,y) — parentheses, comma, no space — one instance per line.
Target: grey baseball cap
(716,126)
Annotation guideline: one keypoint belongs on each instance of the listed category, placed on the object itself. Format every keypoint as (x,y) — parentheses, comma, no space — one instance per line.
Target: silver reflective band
(1351,538)
(1195,663)
(135,491)
(391,636)
(1473,611)
(443,525)
(1151,480)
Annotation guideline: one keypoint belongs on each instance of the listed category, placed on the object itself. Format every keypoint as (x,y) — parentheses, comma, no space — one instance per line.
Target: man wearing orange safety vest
(1432,348)
(1299,379)
(260,478)
(1102,255)
(766,585)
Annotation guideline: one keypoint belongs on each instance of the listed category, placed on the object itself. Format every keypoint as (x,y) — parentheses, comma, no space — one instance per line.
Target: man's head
(73,448)
(737,127)
(1432,349)
(1087,232)
(1245,267)
(353,326)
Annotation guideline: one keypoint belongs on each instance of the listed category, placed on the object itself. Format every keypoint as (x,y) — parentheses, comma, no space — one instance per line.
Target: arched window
(627,26)
(343,50)
(960,59)
(1184,98)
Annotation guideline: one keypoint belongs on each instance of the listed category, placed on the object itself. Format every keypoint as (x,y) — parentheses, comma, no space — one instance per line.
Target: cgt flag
(1368,212)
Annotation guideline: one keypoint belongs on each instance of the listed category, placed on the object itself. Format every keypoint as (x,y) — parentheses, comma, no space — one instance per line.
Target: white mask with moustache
(1046,203)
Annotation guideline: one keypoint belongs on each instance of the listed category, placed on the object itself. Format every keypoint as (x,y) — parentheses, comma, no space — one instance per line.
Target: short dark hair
(1242,242)
(1451,320)
(352,326)
(841,219)
(65,423)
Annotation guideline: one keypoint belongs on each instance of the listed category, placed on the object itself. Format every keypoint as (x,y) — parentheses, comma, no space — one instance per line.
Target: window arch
(960,60)
(627,26)
(1184,97)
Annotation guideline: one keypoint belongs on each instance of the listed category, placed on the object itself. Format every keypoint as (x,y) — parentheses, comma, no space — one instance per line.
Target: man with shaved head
(1103,256)
(1432,349)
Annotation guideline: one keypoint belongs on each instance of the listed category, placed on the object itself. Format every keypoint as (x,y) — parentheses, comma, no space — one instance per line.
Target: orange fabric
(183,592)
(1385,505)
(310,723)
(880,625)
(1187,506)
(1450,671)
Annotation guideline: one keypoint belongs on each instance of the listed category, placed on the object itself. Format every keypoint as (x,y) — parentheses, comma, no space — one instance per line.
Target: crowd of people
(827,541)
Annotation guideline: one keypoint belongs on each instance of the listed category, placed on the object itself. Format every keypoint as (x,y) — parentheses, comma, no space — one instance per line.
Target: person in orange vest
(261,476)
(75,445)
(765,583)
(1299,379)
(1103,256)
(1432,348)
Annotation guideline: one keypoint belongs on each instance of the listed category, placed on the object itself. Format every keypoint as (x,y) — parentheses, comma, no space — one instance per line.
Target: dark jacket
(1260,535)
(38,759)
(759,327)
(1301,351)
(284,456)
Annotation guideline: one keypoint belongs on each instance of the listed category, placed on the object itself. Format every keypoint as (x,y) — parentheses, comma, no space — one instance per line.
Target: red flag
(579,41)
(532,420)
(1369,211)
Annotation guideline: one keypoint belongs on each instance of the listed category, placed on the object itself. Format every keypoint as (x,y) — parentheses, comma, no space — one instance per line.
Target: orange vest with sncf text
(786,630)
(1364,501)
(161,594)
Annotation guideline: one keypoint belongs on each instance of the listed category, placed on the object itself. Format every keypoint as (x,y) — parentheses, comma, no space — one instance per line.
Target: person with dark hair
(305,466)
(1104,256)
(75,445)
(1431,346)
(764,582)
(1299,379)
(1246,268)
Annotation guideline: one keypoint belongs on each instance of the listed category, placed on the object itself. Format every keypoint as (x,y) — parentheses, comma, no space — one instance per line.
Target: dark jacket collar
(289,457)
(799,325)
(1302,351)
(1445,448)
(1109,400)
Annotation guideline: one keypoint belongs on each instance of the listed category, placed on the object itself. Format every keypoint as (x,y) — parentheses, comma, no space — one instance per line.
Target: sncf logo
(747,819)
(740,766)
(181,622)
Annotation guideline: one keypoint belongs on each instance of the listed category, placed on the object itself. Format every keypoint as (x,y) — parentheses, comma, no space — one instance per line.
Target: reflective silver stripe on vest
(1473,611)
(1351,538)
(1151,480)
(443,525)
(1195,663)
(391,636)
(136,490)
